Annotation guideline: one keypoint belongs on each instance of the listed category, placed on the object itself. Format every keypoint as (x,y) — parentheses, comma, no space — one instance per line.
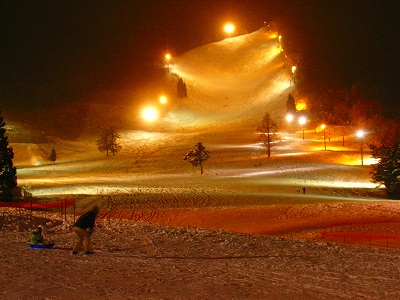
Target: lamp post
(323,127)
(360,134)
(167,60)
(289,119)
(229,28)
(163,99)
(293,71)
(302,121)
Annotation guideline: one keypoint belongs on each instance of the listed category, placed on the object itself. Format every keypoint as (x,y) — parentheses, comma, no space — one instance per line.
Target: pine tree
(181,91)
(179,88)
(53,156)
(198,155)
(387,170)
(184,91)
(108,141)
(290,105)
(8,177)
(267,132)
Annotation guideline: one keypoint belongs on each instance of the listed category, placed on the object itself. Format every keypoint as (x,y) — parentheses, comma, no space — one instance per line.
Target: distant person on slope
(83,229)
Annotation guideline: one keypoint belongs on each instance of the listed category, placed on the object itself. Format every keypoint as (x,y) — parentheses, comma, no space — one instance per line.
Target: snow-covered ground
(241,230)
(147,261)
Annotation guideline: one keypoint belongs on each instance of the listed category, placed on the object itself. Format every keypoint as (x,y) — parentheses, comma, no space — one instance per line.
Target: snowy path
(137,261)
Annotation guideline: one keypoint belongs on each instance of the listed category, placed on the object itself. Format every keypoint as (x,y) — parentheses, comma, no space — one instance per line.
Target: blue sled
(41,246)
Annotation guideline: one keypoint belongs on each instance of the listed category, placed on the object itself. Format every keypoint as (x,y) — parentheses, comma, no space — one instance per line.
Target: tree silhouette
(53,156)
(181,91)
(108,141)
(290,105)
(8,178)
(198,155)
(267,132)
(387,170)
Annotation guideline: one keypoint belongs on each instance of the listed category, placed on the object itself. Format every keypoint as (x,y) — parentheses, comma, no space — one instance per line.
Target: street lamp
(293,71)
(167,60)
(323,127)
(149,114)
(289,119)
(360,134)
(163,99)
(229,28)
(302,121)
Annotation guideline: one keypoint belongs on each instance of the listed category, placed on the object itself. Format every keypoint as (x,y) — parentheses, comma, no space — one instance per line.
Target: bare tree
(108,141)
(267,132)
(198,155)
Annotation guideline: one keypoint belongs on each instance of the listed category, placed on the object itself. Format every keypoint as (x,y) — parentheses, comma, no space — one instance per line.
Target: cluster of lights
(151,113)
(302,121)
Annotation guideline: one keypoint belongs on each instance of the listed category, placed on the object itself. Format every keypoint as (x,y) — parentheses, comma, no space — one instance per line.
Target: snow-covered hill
(238,77)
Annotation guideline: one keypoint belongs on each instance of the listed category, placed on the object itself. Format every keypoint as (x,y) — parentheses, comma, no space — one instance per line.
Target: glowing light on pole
(293,72)
(149,114)
(163,99)
(229,28)
(323,127)
(302,121)
(289,119)
(167,60)
(360,134)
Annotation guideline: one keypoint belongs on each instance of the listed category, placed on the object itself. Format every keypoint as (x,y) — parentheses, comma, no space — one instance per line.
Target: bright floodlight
(293,69)
(360,133)
(163,99)
(167,56)
(229,28)
(323,126)
(302,120)
(149,114)
(289,118)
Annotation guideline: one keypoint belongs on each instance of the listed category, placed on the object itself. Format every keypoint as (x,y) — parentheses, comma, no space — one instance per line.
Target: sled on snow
(41,246)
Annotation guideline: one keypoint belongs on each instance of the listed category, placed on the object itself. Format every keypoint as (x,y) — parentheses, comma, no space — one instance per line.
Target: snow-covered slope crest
(236,77)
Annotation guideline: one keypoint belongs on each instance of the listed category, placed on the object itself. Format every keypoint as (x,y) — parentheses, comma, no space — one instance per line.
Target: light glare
(302,120)
(150,114)
(229,28)
(163,99)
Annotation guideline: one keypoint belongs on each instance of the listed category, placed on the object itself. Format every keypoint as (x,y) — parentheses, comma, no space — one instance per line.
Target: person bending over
(83,229)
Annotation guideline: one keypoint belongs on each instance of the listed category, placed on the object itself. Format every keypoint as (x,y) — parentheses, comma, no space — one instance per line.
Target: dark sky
(56,51)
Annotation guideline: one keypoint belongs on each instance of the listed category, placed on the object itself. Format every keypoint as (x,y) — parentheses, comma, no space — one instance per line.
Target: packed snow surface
(242,230)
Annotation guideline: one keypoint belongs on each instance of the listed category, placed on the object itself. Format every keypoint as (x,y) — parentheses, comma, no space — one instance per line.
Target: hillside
(239,77)
(242,229)
(231,84)
(230,81)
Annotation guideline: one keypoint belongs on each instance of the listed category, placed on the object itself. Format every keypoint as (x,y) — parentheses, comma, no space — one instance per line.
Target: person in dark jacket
(83,229)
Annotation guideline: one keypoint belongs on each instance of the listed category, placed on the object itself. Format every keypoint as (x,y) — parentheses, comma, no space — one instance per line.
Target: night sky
(61,51)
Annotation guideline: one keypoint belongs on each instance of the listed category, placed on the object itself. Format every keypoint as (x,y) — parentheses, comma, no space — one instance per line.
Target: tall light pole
(323,126)
(167,60)
(302,121)
(360,134)
(289,119)
(293,71)
(163,99)
(229,28)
